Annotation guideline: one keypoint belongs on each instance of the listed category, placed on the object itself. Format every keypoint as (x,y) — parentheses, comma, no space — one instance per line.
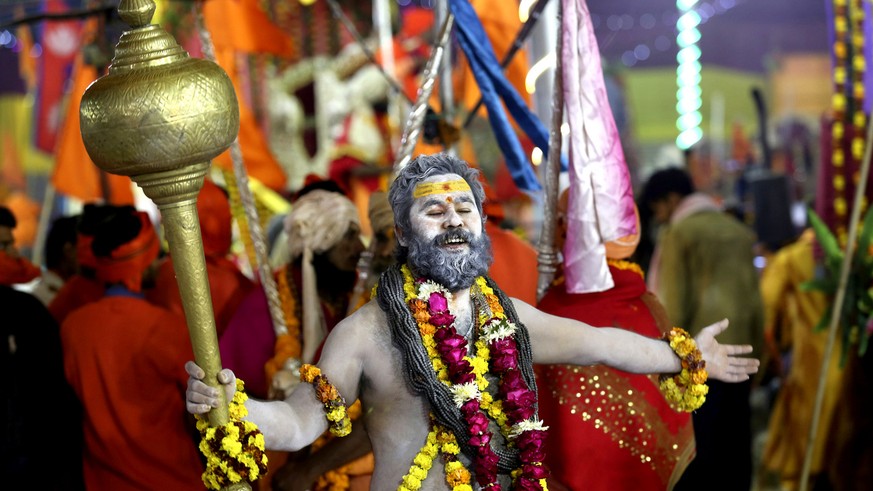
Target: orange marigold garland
(287,345)
(686,390)
(334,403)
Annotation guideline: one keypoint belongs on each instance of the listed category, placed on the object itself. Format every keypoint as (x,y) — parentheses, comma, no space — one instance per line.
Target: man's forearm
(634,353)
(287,425)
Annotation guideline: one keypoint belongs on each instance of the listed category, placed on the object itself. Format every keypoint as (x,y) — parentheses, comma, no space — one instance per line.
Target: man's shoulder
(370,317)
(711,220)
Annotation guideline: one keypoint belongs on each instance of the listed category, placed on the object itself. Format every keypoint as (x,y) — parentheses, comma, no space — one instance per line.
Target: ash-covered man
(442,360)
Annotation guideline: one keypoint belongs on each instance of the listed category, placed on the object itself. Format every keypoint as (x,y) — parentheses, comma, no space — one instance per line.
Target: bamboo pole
(837,307)
(547,256)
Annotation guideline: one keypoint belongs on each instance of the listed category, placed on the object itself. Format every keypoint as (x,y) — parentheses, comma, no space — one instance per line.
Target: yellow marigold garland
(334,404)
(626,266)
(686,390)
(234,452)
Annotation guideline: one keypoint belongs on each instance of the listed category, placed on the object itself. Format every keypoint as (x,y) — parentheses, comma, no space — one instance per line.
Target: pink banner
(601,201)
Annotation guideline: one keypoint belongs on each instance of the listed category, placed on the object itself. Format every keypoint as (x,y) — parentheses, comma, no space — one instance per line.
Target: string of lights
(688,95)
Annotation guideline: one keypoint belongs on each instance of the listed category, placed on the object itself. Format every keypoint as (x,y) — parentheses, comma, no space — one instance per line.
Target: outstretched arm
(557,340)
(297,421)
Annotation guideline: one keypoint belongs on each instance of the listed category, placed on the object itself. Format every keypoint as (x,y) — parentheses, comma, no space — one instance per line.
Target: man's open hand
(723,361)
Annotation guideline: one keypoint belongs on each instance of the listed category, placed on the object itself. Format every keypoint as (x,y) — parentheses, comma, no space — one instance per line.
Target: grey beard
(455,271)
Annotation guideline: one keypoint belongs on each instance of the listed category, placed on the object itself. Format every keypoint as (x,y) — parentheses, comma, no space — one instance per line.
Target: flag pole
(547,256)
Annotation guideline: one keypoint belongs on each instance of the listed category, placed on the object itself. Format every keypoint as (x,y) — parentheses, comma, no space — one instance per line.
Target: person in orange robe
(121,356)
(610,429)
(83,288)
(515,261)
(227,285)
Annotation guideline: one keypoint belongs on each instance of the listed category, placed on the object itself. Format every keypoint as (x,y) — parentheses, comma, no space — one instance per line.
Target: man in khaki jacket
(703,270)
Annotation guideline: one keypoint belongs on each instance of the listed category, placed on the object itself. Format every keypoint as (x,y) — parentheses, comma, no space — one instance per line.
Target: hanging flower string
(465,376)
(235,451)
(287,345)
(686,390)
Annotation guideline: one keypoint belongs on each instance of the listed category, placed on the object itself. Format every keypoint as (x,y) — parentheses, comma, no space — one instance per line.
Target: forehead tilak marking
(429,188)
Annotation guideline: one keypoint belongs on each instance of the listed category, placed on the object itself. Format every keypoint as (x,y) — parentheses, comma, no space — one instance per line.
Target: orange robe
(515,264)
(611,429)
(77,292)
(227,287)
(124,357)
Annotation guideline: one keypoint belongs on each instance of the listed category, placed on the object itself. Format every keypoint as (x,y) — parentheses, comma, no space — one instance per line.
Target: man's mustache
(453,236)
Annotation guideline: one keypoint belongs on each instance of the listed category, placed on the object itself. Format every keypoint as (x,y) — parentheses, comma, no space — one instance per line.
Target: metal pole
(447,97)
(415,120)
(523,33)
(45,214)
(547,256)
(265,273)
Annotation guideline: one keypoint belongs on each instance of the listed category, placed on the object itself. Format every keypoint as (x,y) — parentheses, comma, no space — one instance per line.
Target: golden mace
(159,117)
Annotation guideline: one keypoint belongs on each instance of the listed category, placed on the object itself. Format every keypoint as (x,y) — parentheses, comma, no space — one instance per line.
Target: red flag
(60,45)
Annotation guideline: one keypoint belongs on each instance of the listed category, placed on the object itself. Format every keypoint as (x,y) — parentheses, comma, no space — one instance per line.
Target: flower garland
(288,344)
(687,390)
(465,375)
(334,404)
(238,212)
(626,266)
(847,106)
(235,451)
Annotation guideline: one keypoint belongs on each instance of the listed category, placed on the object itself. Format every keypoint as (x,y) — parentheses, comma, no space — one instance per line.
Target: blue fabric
(494,87)
(121,291)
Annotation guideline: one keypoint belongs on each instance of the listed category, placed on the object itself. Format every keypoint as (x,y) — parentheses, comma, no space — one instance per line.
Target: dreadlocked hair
(418,371)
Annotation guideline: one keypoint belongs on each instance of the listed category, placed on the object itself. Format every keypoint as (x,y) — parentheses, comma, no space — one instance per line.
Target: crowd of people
(432,324)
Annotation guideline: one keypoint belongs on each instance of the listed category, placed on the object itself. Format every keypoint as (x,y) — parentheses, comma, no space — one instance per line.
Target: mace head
(158,109)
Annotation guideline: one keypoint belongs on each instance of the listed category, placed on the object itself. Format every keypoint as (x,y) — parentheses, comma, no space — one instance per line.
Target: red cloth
(515,264)
(15,270)
(124,359)
(227,287)
(77,292)
(215,218)
(249,341)
(606,423)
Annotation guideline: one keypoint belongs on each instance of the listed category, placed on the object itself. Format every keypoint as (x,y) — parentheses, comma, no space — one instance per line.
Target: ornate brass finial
(160,116)
(136,13)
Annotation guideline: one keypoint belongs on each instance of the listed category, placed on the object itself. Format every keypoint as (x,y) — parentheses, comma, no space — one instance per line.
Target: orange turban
(213,208)
(127,262)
